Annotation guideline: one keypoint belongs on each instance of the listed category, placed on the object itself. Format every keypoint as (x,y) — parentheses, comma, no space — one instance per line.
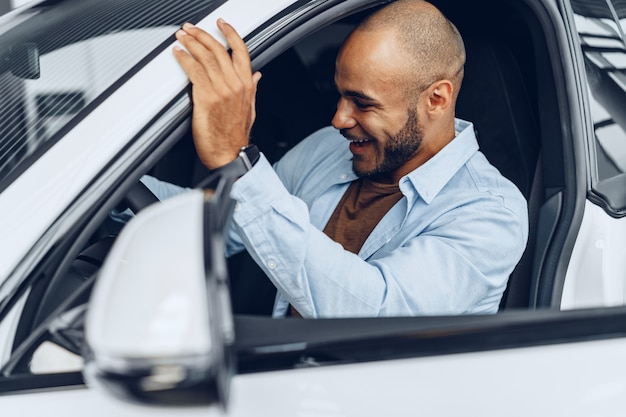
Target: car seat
(495,97)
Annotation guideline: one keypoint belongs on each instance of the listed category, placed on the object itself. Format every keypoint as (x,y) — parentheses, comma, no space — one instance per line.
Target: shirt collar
(429,179)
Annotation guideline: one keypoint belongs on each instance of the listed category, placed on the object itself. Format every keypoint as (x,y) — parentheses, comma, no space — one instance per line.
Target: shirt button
(271,264)
(236,206)
(343,176)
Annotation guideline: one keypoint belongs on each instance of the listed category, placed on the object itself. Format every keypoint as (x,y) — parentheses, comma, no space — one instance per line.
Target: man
(392,211)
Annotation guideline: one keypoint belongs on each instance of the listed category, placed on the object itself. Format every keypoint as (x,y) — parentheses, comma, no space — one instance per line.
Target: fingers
(203,63)
(212,55)
(204,47)
(223,94)
(240,55)
(193,69)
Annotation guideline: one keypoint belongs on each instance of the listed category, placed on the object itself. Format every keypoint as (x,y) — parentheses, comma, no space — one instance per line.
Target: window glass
(58,57)
(600,26)
(7,329)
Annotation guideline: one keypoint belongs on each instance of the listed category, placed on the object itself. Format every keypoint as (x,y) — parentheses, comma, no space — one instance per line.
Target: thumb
(256,77)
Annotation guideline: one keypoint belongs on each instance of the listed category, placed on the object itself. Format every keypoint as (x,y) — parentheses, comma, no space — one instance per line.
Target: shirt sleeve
(161,189)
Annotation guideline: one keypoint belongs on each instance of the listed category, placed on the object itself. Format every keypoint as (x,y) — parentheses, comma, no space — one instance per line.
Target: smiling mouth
(355,142)
(360,146)
(359,142)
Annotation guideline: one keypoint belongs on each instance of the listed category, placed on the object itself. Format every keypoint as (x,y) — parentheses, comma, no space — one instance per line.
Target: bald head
(433,46)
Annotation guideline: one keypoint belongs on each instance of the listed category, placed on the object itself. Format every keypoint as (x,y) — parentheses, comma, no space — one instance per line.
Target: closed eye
(361,101)
(361,105)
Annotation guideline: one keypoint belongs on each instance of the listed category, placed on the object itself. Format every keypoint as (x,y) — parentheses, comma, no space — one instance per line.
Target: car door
(595,275)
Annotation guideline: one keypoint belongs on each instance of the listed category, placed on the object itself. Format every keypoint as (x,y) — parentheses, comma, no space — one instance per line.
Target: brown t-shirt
(361,208)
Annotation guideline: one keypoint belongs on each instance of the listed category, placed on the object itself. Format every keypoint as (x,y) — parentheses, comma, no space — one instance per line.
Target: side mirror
(22,60)
(159,325)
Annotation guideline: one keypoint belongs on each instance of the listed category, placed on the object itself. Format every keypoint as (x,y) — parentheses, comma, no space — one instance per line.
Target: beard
(398,150)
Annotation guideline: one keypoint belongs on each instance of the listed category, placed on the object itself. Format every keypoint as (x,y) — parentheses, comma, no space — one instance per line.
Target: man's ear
(439,98)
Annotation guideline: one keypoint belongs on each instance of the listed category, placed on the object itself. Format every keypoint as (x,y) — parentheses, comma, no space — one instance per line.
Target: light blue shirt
(447,247)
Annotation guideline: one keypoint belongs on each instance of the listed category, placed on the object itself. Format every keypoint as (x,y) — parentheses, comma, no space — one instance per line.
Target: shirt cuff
(255,192)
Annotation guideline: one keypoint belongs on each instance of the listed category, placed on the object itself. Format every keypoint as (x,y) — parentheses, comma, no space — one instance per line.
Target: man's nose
(344,116)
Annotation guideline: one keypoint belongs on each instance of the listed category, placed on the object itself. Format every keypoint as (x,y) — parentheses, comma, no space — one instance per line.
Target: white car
(92,99)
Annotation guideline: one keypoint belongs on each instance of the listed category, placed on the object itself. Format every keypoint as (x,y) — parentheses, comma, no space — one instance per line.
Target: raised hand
(223,92)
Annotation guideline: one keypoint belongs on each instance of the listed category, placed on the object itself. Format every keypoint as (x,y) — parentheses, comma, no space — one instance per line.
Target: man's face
(397,150)
(373,112)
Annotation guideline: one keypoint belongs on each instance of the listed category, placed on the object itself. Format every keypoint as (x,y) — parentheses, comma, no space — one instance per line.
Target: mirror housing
(22,60)
(159,326)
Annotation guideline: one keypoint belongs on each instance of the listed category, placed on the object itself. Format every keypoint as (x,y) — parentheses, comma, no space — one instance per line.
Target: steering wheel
(139,197)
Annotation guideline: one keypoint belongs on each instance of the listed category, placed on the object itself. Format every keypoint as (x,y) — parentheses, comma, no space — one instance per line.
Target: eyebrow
(359,95)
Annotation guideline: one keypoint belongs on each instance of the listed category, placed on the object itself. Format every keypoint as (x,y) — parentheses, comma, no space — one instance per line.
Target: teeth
(360,141)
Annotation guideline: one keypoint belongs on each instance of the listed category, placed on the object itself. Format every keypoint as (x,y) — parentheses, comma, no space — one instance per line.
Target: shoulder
(489,181)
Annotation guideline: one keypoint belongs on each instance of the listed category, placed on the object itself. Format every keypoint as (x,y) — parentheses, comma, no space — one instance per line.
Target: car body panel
(576,383)
(595,275)
(568,376)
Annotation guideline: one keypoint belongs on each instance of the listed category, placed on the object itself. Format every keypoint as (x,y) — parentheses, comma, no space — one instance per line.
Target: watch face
(251,153)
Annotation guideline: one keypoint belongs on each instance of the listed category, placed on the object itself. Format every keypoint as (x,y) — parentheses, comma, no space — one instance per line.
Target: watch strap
(247,158)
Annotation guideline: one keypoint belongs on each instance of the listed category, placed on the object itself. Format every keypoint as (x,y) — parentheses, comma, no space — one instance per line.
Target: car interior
(509,93)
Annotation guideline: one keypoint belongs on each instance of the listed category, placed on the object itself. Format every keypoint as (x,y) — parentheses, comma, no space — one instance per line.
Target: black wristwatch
(248,156)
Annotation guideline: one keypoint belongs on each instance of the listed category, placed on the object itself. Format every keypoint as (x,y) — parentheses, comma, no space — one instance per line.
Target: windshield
(58,58)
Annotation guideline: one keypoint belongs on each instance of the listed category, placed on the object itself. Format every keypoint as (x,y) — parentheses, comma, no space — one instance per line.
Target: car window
(600,26)
(56,59)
